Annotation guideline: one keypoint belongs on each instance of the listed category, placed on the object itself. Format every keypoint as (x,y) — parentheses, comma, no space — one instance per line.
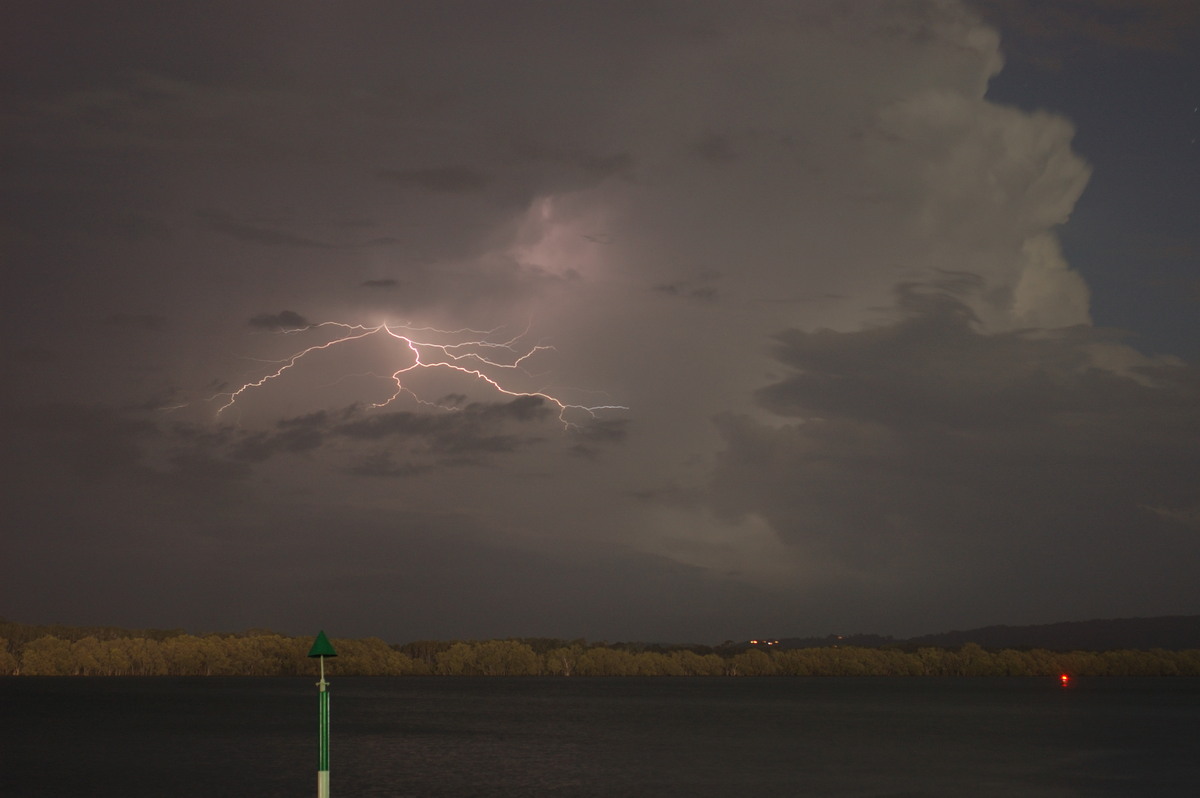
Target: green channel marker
(322,648)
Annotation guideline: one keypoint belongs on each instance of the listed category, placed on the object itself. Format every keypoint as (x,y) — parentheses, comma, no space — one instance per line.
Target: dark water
(603,737)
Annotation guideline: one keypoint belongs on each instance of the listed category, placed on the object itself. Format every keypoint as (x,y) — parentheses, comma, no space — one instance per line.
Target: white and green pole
(322,648)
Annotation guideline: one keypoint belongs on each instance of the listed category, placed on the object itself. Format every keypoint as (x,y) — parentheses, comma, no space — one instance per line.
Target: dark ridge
(1171,632)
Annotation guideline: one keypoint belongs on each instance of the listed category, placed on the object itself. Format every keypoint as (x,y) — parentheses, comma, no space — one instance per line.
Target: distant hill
(1174,633)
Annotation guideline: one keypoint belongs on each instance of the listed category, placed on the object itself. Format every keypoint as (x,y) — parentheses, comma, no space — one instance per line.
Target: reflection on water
(454,737)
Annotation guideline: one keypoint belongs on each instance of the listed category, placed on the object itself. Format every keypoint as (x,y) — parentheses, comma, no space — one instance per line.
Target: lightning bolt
(472,353)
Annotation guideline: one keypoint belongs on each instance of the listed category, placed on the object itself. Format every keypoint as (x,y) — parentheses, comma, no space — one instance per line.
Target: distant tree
(932,661)
(656,663)
(458,660)
(1010,663)
(145,657)
(113,657)
(1164,662)
(544,645)
(85,654)
(794,662)
(9,663)
(971,660)
(425,651)
(369,657)
(506,658)
(47,656)
(184,655)
(754,662)
(284,656)
(898,663)
(489,658)
(848,661)
(1189,662)
(214,656)
(693,664)
(604,661)
(561,661)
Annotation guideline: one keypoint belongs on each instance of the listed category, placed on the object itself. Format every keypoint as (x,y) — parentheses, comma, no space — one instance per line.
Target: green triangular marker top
(322,647)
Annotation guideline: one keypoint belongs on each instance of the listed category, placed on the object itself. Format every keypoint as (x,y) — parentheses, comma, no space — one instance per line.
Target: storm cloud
(684,321)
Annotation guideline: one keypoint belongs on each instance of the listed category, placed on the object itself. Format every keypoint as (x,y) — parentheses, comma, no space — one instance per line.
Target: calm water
(603,737)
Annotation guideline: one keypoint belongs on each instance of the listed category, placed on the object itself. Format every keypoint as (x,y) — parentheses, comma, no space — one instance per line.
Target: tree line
(107,651)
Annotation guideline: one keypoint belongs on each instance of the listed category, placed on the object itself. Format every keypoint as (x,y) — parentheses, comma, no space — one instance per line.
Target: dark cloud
(220,223)
(86,210)
(260,446)
(1166,26)
(603,166)
(603,431)
(472,430)
(706,293)
(36,356)
(283,320)
(593,165)
(451,179)
(591,435)
(523,408)
(451,437)
(143,321)
(90,442)
(699,288)
(201,472)
(383,464)
(716,149)
(319,419)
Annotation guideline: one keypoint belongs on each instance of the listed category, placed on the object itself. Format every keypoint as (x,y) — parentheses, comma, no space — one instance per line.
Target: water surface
(458,737)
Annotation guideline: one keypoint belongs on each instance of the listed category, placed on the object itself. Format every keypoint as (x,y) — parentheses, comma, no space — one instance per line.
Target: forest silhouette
(27,650)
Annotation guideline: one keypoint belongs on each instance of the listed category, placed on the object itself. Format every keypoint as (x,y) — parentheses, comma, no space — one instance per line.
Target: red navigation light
(1065,679)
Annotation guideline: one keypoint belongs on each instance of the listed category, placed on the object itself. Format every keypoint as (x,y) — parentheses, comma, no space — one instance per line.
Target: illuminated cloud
(926,453)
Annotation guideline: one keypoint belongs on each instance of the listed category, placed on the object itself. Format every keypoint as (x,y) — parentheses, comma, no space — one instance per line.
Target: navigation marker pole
(322,648)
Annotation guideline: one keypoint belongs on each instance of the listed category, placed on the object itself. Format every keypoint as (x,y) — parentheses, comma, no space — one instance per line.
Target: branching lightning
(472,353)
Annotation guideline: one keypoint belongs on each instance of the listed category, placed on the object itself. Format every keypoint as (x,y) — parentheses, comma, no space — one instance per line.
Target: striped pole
(322,649)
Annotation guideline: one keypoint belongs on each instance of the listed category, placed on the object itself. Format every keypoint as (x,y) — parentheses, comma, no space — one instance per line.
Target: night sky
(671,321)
